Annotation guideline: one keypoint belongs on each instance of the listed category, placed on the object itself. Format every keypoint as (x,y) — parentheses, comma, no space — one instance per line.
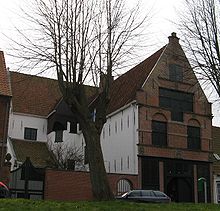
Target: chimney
(173,38)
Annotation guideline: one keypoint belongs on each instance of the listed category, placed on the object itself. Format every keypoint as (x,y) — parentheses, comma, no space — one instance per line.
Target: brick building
(173,125)
(5,99)
(175,141)
(158,129)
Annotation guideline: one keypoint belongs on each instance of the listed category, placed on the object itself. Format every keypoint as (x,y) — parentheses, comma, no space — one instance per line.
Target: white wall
(119,137)
(17,123)
(119,140)
(72,143)
(75,140)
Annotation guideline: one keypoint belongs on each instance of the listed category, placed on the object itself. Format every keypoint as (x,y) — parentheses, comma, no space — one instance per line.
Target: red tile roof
(33,94)
(124,88)
(4,79)
(39,96)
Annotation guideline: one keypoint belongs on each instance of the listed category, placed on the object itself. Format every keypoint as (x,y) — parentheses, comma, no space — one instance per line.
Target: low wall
(74,186)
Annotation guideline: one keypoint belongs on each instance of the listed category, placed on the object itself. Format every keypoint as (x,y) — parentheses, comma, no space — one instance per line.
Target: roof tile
(37,151)
(33,94)
(124,88)
(4,79)
(39,96)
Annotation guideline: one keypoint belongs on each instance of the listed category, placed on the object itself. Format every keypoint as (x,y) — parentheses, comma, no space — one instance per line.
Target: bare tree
(199,24)
(83,40)
(67,155)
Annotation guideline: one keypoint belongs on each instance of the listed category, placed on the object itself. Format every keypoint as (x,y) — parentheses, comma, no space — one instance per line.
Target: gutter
(30,115)
(121,108)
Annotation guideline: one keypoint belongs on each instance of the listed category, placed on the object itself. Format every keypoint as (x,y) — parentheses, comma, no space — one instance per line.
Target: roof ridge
(30,75)
(43,77)
(139,64)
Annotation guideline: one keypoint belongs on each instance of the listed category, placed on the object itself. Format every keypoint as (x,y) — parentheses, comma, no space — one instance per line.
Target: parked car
(145,196)
(4,191)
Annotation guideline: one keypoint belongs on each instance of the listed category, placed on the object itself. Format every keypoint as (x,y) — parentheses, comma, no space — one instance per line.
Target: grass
(29,205)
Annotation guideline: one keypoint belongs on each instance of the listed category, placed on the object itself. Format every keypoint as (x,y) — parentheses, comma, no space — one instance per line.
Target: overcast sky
(163,12)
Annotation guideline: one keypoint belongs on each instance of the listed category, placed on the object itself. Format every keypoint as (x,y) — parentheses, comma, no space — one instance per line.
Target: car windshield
(159,194)
(135,193)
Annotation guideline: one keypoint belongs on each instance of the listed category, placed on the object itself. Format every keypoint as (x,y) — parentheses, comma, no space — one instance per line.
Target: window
(70,164)
(159,133)
(123,186)
(30,133)
(178,102)
(109,130)
(128,122)
(103,133)
(58,136)
(116,128)
(175,73)
(193,138)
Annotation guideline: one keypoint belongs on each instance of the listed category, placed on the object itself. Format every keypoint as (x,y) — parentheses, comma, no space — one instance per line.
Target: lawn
(28,205)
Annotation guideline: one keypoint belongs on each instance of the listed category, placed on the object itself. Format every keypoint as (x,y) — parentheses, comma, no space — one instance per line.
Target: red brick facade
(72,185)
(5,97)
(149,110)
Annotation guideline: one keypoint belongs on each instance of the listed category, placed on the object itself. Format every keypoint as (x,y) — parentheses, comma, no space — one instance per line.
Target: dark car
(145,196)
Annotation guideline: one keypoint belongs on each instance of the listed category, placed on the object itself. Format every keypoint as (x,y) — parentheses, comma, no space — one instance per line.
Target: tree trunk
(99,181)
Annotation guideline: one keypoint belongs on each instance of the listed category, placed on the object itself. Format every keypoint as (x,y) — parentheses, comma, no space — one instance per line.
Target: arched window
(159,133)
(123,186)
(193,135)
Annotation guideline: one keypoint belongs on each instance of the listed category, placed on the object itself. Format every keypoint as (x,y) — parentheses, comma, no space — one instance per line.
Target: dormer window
(175,73)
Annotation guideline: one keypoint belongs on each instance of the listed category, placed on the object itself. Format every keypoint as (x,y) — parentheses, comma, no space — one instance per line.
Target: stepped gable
(125,87)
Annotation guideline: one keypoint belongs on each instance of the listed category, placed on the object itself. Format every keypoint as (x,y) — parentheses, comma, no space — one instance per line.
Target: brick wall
(4,115)
(5,174)
(73,186)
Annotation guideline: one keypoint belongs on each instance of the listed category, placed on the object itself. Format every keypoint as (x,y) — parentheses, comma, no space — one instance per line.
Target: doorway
(179,190)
